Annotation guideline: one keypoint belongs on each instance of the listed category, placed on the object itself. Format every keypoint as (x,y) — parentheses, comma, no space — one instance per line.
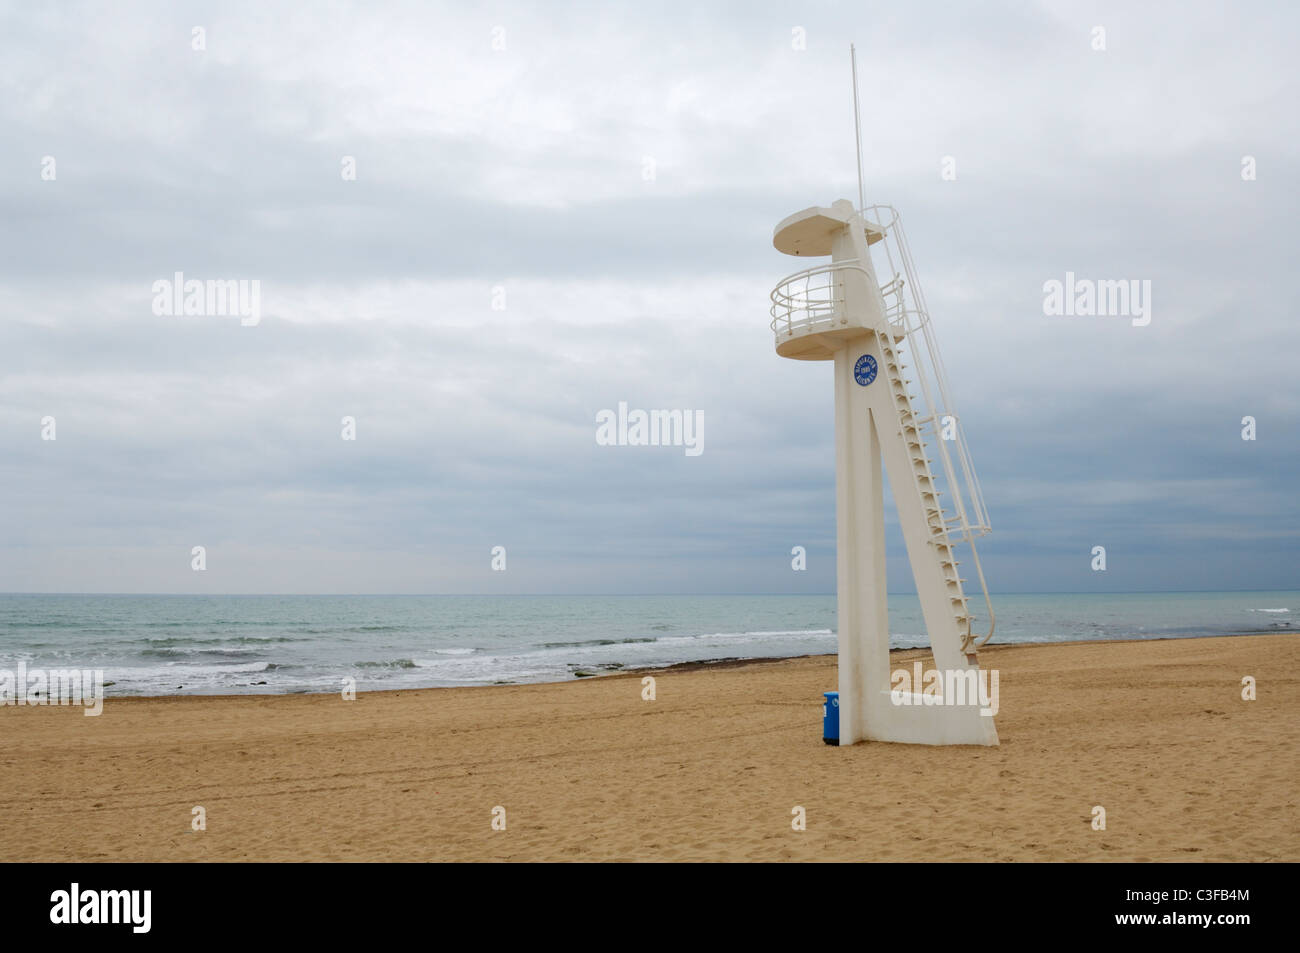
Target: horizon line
(387,595)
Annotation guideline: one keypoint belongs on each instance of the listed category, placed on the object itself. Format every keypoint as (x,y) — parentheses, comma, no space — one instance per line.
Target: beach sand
(1155,732)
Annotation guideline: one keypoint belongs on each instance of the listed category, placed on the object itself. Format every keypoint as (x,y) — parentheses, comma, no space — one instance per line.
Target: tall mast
(857,124)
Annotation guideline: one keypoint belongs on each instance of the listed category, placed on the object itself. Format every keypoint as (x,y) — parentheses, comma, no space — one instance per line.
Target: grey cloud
(476,427)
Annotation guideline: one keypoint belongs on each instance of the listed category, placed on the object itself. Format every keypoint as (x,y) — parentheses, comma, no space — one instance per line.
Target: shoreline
(735,661)
(1154,731)
(720,663)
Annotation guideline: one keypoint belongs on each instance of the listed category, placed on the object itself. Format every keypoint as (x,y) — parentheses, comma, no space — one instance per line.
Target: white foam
(730,636)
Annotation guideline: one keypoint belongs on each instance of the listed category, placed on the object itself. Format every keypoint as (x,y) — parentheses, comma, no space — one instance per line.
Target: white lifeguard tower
(892,410)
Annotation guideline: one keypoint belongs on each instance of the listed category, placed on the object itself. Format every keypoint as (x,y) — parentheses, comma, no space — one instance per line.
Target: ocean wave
(392,663)
(171,672)
(1270,610)
(732,636)
(585,642)
(183,653)
(238,640)
(47,624)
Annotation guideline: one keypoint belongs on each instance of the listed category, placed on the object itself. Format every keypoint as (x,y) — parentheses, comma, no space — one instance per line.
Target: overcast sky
(524,169)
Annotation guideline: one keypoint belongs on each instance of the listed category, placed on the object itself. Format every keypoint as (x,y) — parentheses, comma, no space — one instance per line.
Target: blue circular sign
(864,372)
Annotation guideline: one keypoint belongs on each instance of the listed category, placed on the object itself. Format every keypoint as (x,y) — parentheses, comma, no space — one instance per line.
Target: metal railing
(905,308)
(811,300)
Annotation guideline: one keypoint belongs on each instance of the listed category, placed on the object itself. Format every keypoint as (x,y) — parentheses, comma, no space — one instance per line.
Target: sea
(265,644)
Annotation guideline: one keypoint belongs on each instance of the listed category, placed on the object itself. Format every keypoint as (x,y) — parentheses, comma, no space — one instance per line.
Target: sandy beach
(1155,732)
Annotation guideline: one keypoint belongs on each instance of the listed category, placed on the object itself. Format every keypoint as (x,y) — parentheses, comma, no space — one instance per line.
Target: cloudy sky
(501,158)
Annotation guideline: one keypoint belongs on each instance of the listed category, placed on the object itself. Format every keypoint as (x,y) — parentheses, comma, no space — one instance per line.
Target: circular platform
(811,232)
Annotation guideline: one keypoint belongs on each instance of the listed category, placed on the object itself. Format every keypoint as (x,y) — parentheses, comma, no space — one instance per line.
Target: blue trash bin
(831,718)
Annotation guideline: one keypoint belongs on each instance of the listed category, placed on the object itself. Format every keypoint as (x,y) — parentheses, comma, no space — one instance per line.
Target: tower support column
(863,615)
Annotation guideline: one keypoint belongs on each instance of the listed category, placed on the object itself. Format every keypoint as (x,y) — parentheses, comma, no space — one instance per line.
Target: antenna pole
(857,125)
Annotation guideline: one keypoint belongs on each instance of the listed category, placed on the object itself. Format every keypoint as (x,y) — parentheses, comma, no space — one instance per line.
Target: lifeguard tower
(892,412)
